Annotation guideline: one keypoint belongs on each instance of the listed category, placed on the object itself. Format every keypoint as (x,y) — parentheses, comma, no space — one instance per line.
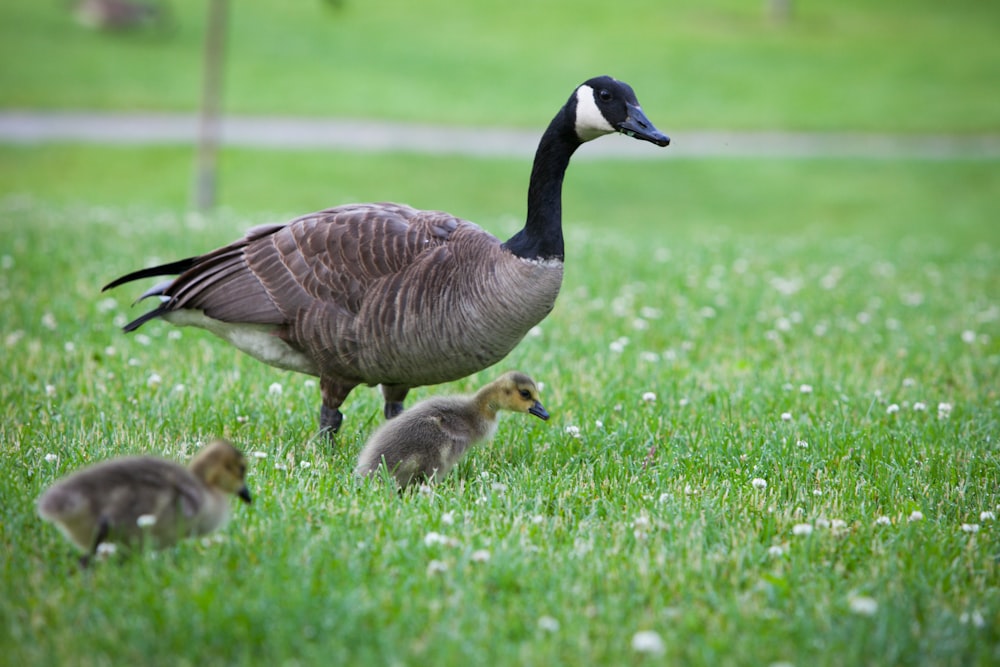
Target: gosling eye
(525,394)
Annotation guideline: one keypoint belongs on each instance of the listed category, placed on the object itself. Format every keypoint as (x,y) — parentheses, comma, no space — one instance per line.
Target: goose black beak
(244,495)
(539,411)
(637,126)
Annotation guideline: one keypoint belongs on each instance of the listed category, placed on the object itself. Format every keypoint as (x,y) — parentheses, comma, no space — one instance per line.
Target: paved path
(310,133)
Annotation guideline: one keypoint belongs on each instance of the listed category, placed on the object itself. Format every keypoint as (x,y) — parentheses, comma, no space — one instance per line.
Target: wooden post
(210,114)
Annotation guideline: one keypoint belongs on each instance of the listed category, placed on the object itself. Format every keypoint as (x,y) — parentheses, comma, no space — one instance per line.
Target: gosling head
(222,466)
(603,105)
(517,392)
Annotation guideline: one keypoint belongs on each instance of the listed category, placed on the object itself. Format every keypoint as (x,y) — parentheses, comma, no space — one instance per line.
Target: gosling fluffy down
(141,501)
(426,441)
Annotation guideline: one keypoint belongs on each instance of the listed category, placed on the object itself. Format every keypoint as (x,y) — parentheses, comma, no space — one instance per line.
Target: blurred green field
(907,66)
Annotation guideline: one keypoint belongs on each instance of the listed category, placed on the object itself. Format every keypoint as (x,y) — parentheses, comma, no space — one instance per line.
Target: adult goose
(426,441)
(146,501)
(391,295)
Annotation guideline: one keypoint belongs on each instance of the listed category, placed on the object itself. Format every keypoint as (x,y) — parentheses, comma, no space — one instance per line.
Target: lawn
(899,65)
(774,435)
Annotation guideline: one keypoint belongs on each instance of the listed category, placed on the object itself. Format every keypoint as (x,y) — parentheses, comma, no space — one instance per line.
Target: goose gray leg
(394,395)
(333,394)
(102,534)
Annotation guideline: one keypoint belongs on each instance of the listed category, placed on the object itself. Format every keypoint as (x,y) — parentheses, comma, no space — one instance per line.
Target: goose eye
(525,394)
(605,95)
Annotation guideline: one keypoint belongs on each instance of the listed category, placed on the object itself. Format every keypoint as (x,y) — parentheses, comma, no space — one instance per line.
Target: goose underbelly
(465,328)
(260,341)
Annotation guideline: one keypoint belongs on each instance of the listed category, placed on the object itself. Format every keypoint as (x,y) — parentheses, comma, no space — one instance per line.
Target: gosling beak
(637,126)
(244,495)
(539,411)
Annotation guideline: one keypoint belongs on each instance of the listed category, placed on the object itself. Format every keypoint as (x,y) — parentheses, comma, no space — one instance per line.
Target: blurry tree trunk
(210,115)
(779,11)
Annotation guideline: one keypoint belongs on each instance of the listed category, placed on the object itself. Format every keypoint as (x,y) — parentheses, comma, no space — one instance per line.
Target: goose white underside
(257,340)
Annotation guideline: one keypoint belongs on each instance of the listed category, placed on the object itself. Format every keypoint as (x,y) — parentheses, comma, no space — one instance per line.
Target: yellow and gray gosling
(140,501)
(426,441)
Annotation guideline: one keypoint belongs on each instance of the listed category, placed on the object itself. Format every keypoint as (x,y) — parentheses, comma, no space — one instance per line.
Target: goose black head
(604,105)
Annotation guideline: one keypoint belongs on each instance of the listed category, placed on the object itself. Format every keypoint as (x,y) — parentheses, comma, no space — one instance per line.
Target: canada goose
(427,440)
(386,294)
(137,499)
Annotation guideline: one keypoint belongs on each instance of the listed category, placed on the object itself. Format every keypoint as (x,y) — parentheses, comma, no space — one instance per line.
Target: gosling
(142,501)
(426,441)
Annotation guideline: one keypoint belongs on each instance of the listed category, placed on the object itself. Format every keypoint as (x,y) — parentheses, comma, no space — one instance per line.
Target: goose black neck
(542,236)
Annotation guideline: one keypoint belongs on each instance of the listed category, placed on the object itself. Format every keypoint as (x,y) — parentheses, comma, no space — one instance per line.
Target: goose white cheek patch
(590,122)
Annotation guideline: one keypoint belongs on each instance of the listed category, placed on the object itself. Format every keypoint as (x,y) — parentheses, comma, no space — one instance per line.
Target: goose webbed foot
(393,409)
(330,420)
(394,396)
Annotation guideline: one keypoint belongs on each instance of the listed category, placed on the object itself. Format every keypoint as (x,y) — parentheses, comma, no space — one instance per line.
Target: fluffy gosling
(426,441)
(140,501)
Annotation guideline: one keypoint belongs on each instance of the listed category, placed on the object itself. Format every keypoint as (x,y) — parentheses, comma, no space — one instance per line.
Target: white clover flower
(548,624)
(305,465)
(534,332)
(146,520)
(883,521)
(707,312)
(154,380)
(573,431)
(802,529)
(51,457)
(275,389)
(179,388)
(280,466)
(107,305)
(664,497)
(174,334)
(640,324)
(688,491)
(480,556)
(968,337)
(786,416)
(498,487)
(49,321)
(647,641)
(598,423)
(974,617)
(915,515)
(837,524)
(944,410)
(683,402)
(987,516)
(649,357)
(920,406)
(805,389)
(649,397)
(260,455)
(892,409)
(758,483)
(310,384)
(775,552)
(110,351)
(69,346)
(436,567)
(448,518)
(50,390)
(862,605)
(817,492)
(909,382)
(822,522)
(802,444)
(242,419)
(537,519)
(106,549)
(432,539)
(970,527)
(650,313)
(143,339)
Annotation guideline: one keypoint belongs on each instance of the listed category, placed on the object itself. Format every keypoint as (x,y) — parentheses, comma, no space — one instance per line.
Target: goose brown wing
(332,256)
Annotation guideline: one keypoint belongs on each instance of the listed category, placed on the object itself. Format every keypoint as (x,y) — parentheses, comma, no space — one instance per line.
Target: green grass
(736,284)
(912,66)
